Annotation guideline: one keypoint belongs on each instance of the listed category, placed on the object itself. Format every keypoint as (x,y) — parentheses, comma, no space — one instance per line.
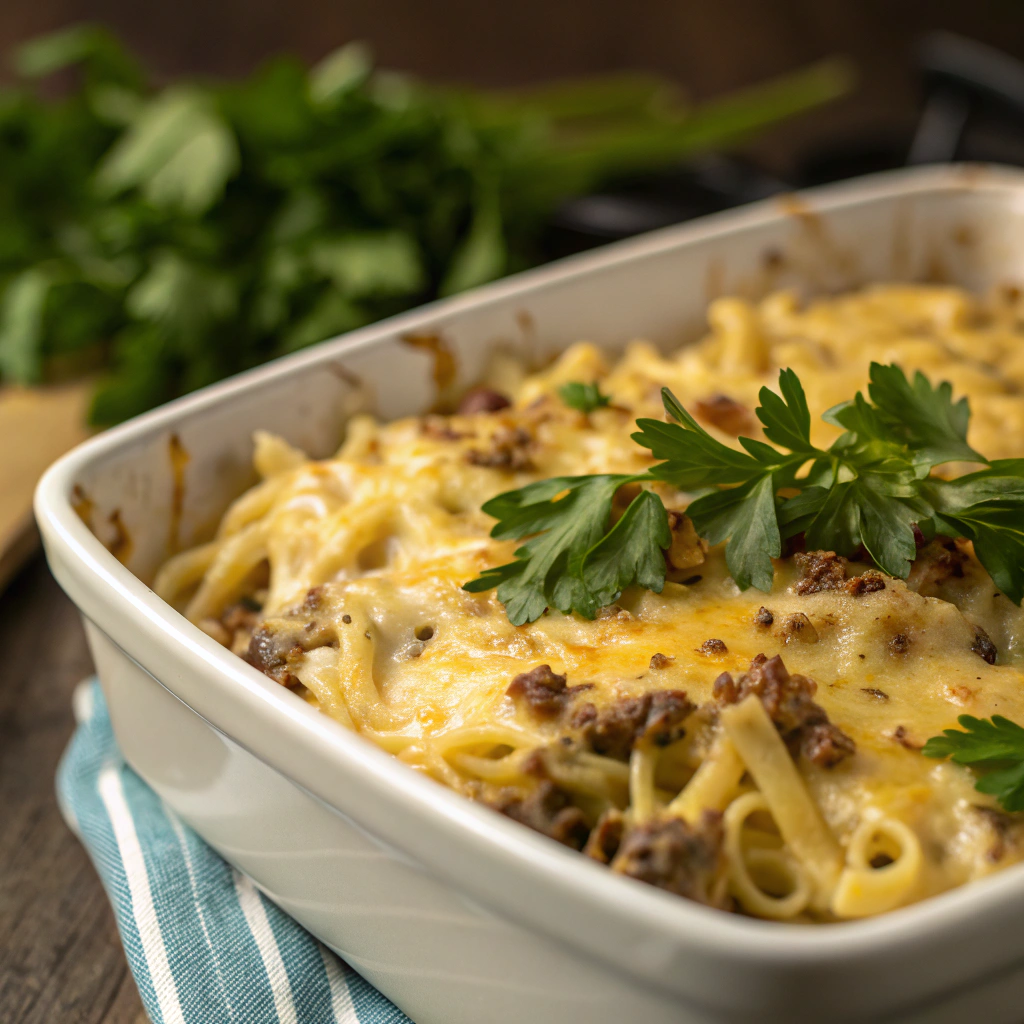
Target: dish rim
(505,843)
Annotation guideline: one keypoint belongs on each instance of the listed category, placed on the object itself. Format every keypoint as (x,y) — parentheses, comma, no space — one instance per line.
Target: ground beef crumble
(670,854)
(274,651)
(725,413)
(656,716)
(546,809)
(819,570)
(939,560)
(825,570)
(899,644)
(508,449)
(713,646)
(440,429)
(983,646)
(606,836)
(236,626)
(544,692)
(788,699)
(482,399)
(869,582)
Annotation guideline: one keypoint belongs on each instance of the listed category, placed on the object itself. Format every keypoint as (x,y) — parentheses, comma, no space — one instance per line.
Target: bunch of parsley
(172,237)
(864,494)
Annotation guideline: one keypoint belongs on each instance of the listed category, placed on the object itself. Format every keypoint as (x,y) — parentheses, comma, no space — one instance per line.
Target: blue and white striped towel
(204,945)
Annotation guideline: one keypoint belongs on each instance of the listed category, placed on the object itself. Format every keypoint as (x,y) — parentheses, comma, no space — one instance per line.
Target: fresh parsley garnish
(583,397)
(169,237)
(996,742)
(866,491)
(572,561)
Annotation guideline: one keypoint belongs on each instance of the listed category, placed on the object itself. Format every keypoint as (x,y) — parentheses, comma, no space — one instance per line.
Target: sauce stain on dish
(714,280)
(964,236)
(180,459)
(902,233)
(826,263)
(937,271)
(527,325)
(353,380)
(83,505)
(445,367)
(528,335)
(121,545)
(794,206)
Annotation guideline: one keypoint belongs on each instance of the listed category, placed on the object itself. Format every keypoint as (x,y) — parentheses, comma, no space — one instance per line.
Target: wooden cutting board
(36,426)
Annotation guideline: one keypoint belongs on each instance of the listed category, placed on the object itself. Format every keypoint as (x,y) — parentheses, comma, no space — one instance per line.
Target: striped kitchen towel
(204,945)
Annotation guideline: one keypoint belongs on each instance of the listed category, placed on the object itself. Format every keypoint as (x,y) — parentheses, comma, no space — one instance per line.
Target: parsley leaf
(583,397)
(691,457)
(997,531)
(924,418)
(995,741)
(179,151)
(987,508)
(865,493)
(744,516)
(786,419)
(21,326)
(566,519)
(632,552)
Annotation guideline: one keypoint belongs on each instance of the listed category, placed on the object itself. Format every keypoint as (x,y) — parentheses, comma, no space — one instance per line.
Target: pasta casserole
(674,674)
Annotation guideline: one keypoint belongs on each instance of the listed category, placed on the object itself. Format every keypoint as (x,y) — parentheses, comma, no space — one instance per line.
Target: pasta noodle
(641,783)
(694,739)
(865,889)
(752,867)
(800,822)
(713,784)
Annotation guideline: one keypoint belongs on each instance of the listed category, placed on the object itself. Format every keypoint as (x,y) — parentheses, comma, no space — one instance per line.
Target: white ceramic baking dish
(456,913)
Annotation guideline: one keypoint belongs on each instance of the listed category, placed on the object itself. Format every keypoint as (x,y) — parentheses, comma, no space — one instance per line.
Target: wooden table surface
(61,961)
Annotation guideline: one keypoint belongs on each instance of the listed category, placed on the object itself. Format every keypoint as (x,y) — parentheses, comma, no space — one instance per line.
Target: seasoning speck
(713,646)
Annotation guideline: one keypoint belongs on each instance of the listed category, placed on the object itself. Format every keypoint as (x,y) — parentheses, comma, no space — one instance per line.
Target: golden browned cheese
(385,534)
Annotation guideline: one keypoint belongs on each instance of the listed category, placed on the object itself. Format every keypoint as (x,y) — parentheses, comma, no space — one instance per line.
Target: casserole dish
(452,911)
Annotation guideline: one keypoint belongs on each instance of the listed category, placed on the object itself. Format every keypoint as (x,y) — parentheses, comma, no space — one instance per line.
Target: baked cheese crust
(342,579)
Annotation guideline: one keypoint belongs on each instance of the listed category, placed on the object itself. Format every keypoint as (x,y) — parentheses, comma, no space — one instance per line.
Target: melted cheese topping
(358,561)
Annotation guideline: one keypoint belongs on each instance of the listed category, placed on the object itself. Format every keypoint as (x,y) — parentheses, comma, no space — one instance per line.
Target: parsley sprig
(170,236)
(866,492)
(583,397)
(997,743)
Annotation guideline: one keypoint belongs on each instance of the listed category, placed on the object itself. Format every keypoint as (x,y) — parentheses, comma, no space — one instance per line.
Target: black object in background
(972,110)
(631,206)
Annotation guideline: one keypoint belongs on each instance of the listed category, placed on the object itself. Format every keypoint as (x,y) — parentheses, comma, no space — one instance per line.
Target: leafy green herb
(583,397)
(572,562)
(174,237)
(867,491)
(997,743)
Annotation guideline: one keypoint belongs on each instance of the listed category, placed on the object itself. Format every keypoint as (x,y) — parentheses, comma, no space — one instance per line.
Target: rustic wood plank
(60,956)
(36,426)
